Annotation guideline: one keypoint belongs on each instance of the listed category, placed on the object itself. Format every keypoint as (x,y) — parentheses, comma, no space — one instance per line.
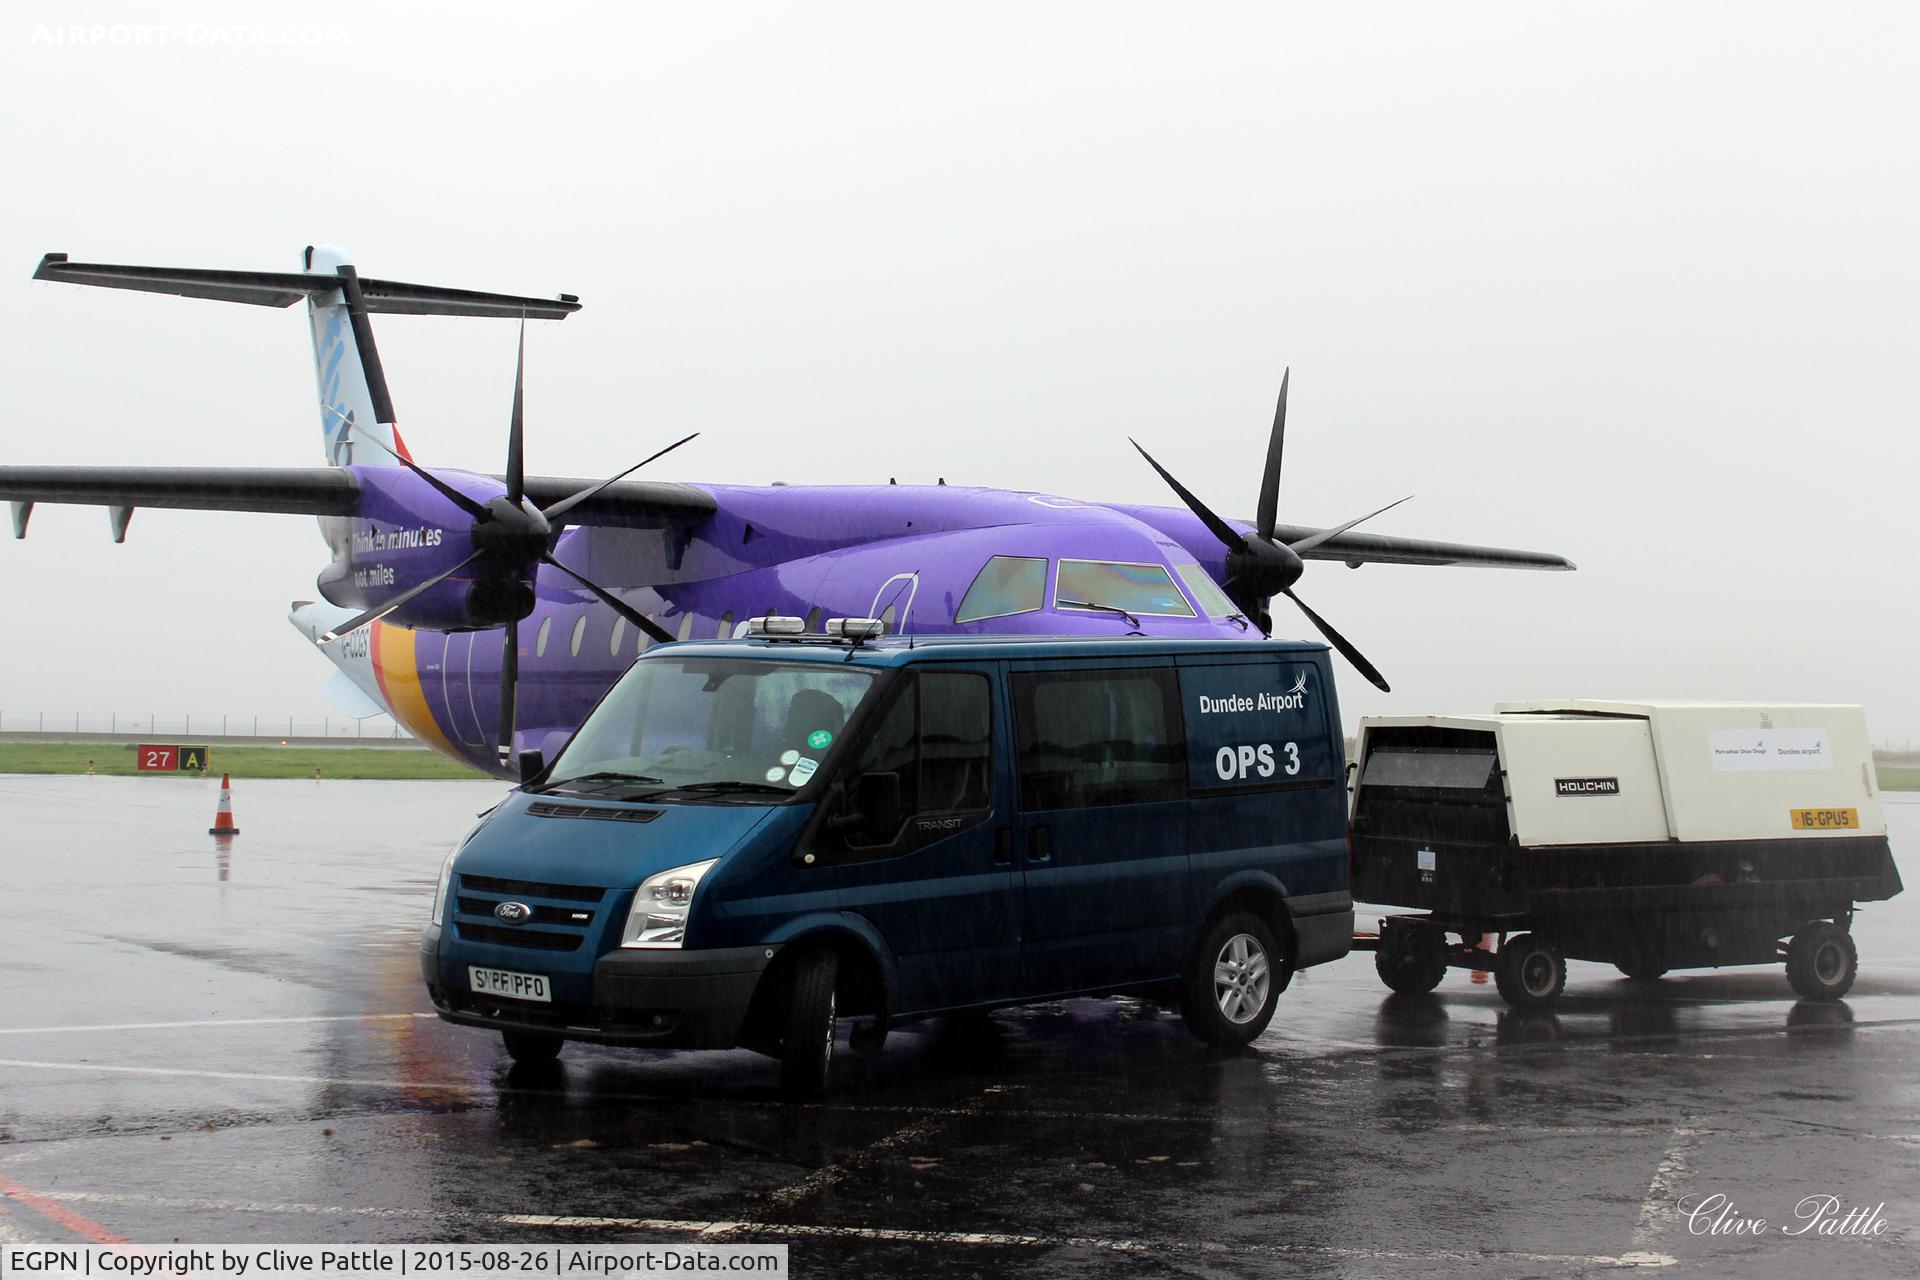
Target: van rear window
(1098,738)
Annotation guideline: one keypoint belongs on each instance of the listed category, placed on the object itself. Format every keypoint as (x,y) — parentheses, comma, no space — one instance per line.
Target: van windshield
(710,727)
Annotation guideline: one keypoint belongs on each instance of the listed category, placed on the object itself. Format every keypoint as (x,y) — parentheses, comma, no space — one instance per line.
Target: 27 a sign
(156,757)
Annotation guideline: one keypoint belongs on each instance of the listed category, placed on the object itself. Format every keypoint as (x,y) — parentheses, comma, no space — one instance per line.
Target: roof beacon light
(855,629)
(775,625)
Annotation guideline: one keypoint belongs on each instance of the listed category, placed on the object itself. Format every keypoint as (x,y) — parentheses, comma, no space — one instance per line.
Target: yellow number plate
(1825,819)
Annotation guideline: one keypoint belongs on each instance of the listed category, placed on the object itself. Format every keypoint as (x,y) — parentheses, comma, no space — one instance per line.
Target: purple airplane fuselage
(904,553)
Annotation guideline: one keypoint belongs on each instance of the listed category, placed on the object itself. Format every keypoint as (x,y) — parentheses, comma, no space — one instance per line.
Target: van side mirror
(877,797)
(868,808)
(532,765)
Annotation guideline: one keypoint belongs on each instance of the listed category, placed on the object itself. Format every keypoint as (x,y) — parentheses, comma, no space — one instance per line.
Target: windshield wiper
(1104,608)
(737,787)
(601,775)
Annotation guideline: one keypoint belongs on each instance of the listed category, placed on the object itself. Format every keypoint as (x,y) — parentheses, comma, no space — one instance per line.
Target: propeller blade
(659,633)
(509,680)
(516,451)
(1341,643)
(1220,529)
(565,505)
(1305,545)
(382,610)
(447,491)
(1269,510)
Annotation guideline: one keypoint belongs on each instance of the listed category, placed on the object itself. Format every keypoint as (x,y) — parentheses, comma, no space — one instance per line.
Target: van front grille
(532,889)
(536,939)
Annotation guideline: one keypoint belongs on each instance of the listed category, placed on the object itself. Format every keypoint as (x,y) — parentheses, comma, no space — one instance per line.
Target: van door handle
(1003,845)
(1039,845)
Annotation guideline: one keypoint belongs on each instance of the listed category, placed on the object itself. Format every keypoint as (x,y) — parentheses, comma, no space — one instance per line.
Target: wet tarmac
(205,1043)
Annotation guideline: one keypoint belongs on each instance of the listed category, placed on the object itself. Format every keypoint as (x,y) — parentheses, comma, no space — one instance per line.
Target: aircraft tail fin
(352,384)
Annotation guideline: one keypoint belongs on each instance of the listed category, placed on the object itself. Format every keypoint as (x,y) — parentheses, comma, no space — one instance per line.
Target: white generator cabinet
(1649,835)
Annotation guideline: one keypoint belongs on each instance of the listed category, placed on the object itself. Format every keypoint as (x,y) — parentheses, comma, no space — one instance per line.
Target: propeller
(511,537)
(1259,566)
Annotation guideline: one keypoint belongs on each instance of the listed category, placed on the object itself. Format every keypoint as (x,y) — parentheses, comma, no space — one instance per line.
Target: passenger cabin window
(1006,586)
(1137,588)
(929,756)
(1098,738)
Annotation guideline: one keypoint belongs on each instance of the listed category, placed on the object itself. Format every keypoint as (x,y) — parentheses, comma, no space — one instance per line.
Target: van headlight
(446,880)
(660,906)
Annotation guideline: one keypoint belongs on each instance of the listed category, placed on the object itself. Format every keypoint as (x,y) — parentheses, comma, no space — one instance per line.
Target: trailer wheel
(1530,972)
(806,1040)
(1822,961)
(1234,981)
(531,1048)
(1411,961)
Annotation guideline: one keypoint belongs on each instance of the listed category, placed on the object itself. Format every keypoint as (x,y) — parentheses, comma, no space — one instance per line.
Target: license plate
(1826,819)
(505,982)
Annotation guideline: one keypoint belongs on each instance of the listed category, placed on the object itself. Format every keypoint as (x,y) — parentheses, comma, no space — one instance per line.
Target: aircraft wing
(316,491)
(306,491)
(1357,549)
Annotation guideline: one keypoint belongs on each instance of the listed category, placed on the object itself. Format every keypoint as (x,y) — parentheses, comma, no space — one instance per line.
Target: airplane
(581,576)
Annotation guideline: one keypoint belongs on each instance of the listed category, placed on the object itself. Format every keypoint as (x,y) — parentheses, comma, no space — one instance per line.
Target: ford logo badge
(513,912)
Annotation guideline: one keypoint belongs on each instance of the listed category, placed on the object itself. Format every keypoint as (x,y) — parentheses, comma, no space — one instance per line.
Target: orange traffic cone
(223,816)
(1489,943)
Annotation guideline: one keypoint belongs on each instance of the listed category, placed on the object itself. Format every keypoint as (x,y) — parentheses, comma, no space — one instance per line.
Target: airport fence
(156,727)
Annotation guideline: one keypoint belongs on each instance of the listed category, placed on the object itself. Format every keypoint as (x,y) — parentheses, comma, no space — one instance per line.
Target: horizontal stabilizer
(284,288)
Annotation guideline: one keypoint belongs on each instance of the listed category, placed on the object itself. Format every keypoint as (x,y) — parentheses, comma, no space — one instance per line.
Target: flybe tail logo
(1293,699)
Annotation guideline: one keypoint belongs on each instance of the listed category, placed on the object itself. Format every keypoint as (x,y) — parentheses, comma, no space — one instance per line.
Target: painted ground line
(58,1214)
(211,1022)
(722,1228)
(451,1086)
(1660,1208)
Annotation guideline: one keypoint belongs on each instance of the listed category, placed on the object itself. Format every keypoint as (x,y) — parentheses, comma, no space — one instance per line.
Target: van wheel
(530,1048)
(1411,961)
(1822,961)
(806,1037)
(1529,972)
(1233,984)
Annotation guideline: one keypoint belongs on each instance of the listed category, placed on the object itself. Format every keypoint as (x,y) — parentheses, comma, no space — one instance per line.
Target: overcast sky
(1635,284)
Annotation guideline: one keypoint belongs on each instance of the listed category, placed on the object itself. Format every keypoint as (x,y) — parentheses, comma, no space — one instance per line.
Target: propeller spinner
(511,537)
(1260,567)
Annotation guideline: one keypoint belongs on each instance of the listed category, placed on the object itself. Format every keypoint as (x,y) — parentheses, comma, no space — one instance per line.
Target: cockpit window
(1137,588)
(1008,585)
(1206,592)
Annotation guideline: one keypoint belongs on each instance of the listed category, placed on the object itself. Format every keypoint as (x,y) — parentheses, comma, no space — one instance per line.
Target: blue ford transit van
(750,839)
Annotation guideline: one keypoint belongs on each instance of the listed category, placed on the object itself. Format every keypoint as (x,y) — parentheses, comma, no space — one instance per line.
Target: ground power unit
(1647,835)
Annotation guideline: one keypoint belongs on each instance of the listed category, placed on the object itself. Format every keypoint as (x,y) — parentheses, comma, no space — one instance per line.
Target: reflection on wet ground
(232,1045)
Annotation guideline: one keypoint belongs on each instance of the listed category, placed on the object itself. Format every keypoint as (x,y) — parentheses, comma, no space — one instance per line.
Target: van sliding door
(1102,837)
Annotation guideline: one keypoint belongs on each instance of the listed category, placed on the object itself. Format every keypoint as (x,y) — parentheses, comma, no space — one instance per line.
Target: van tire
(531,1048)
(1822,961)
(1530,972)
(1236,960)
(807,1024)
(1412,961)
